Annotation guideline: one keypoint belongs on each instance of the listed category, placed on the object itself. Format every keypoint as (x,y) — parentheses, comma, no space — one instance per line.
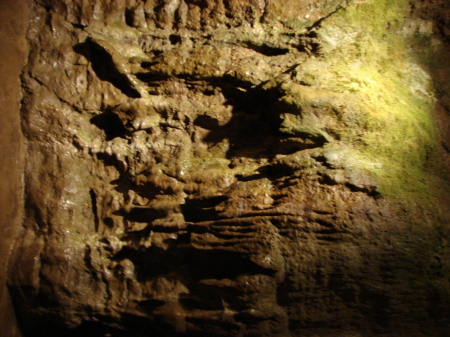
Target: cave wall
(13,22)
(234,168)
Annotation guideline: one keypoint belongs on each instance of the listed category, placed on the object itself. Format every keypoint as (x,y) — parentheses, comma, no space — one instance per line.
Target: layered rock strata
(234,168)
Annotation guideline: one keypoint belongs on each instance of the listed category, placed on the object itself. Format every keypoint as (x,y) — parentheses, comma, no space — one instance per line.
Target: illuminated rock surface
(235,168)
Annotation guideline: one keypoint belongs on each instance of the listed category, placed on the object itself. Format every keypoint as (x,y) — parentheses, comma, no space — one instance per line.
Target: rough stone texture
(13,21)
(235,168)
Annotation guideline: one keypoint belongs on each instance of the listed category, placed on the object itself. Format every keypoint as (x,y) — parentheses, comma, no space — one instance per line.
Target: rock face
(13,54)
(235,168)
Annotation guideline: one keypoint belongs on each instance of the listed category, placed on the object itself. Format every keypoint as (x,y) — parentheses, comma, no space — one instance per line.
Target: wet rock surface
(223,168)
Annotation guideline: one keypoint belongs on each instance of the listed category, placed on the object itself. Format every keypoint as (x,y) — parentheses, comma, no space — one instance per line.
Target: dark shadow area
(266,49)
(201,209)
(93,196)
(101,327)
(254,130)
(438,67)
(182,261)
(104,67)
(110,123)
(210,296)
(440,73)
(110,160)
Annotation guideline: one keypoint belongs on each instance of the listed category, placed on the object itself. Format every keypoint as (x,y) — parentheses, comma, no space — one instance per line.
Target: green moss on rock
(369,61)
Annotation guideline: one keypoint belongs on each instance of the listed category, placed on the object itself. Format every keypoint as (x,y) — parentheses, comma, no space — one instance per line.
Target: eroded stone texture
(201,168)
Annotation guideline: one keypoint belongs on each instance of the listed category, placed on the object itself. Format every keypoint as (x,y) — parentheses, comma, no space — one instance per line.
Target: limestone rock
(233,168)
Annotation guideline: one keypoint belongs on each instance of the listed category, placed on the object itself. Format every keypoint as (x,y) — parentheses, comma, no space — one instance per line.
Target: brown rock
(229,168)
(13,22)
